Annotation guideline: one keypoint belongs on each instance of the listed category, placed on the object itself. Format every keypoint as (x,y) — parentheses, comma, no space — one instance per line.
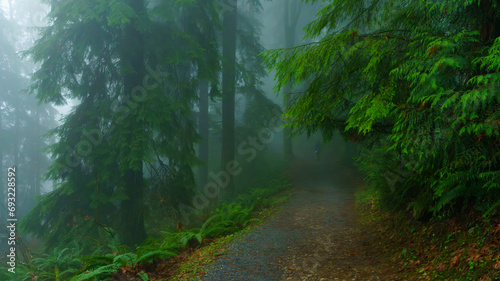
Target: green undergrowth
(193,268)
(182,253)
(463,247)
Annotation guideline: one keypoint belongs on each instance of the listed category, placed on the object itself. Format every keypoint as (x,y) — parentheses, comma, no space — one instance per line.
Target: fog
(122,119)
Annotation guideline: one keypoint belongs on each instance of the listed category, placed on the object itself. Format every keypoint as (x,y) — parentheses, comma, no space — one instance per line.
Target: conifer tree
(130,133)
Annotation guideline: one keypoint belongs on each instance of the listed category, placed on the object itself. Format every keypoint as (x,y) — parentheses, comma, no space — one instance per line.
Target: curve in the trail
(314,237)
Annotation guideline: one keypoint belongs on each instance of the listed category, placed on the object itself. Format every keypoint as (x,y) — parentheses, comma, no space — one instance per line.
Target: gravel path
(314,237)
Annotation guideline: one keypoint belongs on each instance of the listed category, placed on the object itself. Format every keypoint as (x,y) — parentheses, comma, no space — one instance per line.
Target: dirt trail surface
(314,237)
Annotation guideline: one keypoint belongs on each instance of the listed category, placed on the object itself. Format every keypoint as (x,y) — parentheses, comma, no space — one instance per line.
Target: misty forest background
(129,120)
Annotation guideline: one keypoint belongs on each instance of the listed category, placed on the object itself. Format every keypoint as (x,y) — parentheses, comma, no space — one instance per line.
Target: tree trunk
(2,145)
(291,18)
(37,158)
(133,231)
(203,130)
(17,143)
(228,89)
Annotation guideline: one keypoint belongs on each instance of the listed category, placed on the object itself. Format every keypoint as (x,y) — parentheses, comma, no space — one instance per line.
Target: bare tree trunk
(291,18)
(133,230)
(17,143)
(2,145)
(228,89)
(37,160)
(203,130)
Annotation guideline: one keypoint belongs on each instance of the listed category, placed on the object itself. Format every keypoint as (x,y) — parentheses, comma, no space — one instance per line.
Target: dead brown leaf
(496,265)
(440,267)
(454,260)
(485,278)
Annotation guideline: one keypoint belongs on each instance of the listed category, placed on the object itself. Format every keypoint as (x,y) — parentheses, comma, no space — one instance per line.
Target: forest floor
(315,236)
(333,228)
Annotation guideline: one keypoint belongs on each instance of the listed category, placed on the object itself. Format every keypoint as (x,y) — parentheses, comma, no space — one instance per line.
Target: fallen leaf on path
(454,261)
(485,278)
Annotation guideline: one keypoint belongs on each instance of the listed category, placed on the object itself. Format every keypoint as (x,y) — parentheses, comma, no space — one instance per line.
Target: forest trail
(314,237)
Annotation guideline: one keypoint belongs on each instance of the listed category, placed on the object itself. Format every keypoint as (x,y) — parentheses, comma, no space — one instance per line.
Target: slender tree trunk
(2,144)
(17,143)
(228,89)
(37,157)
(203,128)
(291,18)
(287,133)
(133,230)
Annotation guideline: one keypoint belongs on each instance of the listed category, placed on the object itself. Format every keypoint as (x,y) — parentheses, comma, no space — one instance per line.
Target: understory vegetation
(157,256)
(415,83)
(464,247)
(169,136)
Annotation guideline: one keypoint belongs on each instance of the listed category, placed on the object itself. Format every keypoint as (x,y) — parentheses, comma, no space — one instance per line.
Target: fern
(150,256)
(98,274)
(59,264)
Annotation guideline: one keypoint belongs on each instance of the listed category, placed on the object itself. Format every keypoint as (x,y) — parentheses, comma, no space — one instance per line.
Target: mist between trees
(126,118)
(166,112)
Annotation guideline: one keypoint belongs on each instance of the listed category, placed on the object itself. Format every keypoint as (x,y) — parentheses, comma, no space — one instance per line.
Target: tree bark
(37,159)
(203,130)
(133,231)
(17,143)
(2,145)
(291,18)
(228,89)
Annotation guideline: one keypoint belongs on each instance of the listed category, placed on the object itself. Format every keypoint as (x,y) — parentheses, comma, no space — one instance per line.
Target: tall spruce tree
(133,78)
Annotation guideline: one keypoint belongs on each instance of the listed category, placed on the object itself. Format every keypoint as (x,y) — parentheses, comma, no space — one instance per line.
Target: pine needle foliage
(122,131)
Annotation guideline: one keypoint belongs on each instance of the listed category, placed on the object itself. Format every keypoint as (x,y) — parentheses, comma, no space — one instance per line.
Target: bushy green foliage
(58,265)
(98,267)
(227,219)
(256,193)
(415,81)
(22,273)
